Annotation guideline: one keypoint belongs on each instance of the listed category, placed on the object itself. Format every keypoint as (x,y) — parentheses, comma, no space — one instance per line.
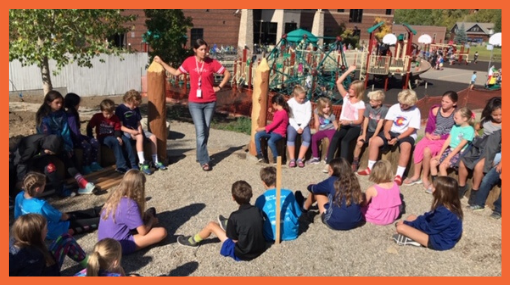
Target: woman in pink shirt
(276,130)
(382,201)
(202,95)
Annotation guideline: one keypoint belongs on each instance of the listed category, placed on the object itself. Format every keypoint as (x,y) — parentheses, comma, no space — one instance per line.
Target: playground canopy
(297,35)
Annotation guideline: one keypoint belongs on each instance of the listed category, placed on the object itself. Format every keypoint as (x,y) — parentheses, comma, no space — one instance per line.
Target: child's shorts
(227,249)
(368,137)
(128,245)
(407,139)
(454,162)
(146,135)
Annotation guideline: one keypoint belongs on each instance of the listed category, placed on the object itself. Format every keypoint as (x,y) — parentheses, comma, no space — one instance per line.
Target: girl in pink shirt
(276,130)
(382,202)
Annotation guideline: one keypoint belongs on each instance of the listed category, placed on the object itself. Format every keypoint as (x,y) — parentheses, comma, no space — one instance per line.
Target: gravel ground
(186,198)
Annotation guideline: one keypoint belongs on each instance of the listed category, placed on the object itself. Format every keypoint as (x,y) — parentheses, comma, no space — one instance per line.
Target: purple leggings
(317,137)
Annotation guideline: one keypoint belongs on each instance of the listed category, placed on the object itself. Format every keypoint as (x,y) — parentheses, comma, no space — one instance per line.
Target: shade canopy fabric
(495,39)
(297,35)
(425,39)
(389,39)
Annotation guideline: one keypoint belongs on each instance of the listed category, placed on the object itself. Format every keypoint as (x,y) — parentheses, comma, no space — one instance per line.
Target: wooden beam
(278,193)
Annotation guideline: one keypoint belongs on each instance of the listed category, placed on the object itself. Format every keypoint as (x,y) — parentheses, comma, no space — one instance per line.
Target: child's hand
(393,141)
(300,131)
(260,129)
(157,59)
(498,168)
(351,68)
(387,136)
(119,140)
(362,138)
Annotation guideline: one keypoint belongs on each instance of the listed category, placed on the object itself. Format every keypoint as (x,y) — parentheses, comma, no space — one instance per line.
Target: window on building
(355,15)
(196,34)
(388,11)
(265,32)
(117,40)
(340,10)
(289,27)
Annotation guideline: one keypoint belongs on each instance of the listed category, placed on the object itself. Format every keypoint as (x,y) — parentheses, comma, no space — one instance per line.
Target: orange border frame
(251,280)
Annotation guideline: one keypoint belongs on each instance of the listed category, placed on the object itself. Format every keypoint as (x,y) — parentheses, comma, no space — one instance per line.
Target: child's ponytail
(106,256)
(70,102)
(468,114)
(94,264)
(279,100)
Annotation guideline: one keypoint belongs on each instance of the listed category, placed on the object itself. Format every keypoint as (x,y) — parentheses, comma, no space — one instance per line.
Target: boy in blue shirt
(289,209)
(130,116)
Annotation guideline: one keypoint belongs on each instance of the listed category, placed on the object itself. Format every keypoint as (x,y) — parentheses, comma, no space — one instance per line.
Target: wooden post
(278,193)
(157,107)
(259,101)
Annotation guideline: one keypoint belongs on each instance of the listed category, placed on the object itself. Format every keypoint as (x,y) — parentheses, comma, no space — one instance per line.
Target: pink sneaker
(292,163)
(398,180)
(300,163)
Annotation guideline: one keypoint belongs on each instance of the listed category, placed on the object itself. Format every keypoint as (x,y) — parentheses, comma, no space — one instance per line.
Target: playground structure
(297,59)
(458,55)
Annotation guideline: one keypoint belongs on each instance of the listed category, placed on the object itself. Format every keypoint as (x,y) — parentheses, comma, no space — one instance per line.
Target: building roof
(485,27)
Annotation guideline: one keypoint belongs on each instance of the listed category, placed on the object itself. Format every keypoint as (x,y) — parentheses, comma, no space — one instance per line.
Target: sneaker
(495,215)
(300,199)
(326,168)
(364,172)
(398,180)
(260,158)
(184,240)
(86,170)
(94,166)
(403,240)
(145,169)
(314,160)
(223,222)
(476,208)
(160,166)
(121,170)
(300,163)
(429,190)
(89,189)
(292,163)
(66,192)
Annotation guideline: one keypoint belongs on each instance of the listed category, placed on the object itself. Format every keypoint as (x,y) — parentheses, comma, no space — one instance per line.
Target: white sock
(400,170)
(155,158)
(141,157)
(371,164)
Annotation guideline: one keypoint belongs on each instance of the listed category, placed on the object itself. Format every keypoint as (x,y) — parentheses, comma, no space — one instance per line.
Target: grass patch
(239,125)
(484,54)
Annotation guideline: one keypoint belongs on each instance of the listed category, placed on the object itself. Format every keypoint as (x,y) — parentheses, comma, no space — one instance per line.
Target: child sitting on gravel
(439,229)
(242,235)
(289,209)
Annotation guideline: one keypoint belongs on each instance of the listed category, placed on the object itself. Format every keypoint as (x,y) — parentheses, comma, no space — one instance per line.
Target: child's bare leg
(433,166)
(417,170)
(292,152)
(463,173)
(302,152)
(321,201)
(154,236)
(139,142)
(478,174)
(427,156)
(374,145)
(357,149)
(213,228)
(154,144)
(309,201)
(413,234)
(405,153)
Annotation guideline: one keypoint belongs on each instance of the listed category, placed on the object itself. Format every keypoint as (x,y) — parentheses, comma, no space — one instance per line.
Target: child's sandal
(206,167)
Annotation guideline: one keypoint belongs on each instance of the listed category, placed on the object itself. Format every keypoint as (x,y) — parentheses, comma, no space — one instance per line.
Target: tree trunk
(46,77)
(156,92)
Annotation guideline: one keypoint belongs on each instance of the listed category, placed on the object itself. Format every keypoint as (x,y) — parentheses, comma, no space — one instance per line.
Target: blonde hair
(132,186)
(106,256)
(359,88)
(32,181)
(107,105)
(377,95)
(381,172)
(298,89)
(27,232)
(407,97)
(131,96)
(465,112)
(323,102)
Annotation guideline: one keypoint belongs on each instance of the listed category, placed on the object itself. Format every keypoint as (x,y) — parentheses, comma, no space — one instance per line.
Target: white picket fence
(113,77)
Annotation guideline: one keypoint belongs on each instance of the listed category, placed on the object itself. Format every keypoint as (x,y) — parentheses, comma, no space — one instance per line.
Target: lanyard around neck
(199,70)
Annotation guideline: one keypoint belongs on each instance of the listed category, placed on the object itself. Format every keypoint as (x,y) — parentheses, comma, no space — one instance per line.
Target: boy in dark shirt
(243,238)
(108,133)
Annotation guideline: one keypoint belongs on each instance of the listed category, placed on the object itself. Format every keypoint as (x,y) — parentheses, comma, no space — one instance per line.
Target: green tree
(63,35)
(497,24)
(460,35)
(166,34)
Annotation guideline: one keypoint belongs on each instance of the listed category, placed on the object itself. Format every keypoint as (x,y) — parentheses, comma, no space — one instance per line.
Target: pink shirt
(384,208)
(205,71)
(279,124)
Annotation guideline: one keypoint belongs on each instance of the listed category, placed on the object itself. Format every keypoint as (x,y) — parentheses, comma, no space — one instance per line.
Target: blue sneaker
(145,169)
(86,170)
(121,170)
(95,166)
(160,166)
(89,189)
(66,192)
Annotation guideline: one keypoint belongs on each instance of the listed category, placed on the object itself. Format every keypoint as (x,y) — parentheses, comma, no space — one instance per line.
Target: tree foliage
(383,30)
(63,35)
(460,35)
(166,34)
